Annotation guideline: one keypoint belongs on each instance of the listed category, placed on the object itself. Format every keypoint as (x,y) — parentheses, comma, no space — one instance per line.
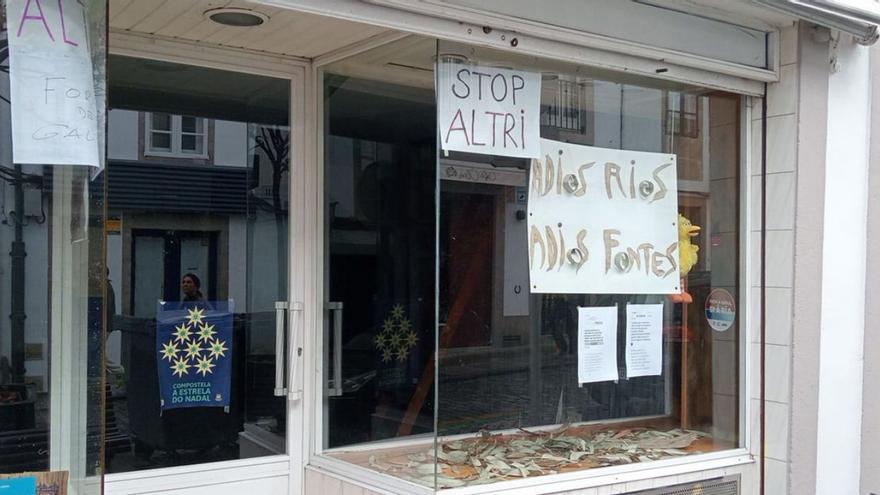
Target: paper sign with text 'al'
(488,110)
(602,221)
(54,114)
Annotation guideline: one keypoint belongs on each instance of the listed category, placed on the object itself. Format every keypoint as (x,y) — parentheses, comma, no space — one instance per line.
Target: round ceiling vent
(236,17)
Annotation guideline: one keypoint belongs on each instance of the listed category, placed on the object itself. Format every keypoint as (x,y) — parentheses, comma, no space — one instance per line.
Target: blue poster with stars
(194,353)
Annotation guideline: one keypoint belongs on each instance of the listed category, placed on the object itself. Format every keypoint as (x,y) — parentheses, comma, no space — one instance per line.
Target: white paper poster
(602,221)
(644,340)
(488,110)
(54,115)
(597,344)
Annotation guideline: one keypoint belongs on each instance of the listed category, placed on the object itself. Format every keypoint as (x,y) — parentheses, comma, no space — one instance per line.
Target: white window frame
(176,134)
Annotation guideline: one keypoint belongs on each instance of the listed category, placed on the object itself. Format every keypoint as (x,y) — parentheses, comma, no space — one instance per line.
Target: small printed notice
(597,344)
(488,110)
(54,114)
(602,221)
(644,340)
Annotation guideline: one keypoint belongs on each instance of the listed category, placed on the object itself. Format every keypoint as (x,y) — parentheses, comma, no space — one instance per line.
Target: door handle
(336,389)
(280,317)
(294,389)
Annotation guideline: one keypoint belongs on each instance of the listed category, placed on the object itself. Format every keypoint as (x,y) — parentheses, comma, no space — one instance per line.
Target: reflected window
(175,135)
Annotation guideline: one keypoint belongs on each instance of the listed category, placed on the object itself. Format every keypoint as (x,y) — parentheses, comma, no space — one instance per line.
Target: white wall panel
(843,274)
(123,138)
(230,143)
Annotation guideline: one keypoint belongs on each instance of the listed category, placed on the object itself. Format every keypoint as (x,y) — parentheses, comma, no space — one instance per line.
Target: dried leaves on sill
(491,458)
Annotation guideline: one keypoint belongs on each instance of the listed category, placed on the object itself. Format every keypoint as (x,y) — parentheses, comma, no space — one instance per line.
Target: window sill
(538,485)
(169,154)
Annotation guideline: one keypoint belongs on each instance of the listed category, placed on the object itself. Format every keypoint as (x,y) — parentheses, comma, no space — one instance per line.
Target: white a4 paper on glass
(644,339)
(597,344)
(488,110)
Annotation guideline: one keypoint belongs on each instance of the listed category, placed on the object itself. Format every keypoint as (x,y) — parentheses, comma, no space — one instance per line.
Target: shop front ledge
(164,480)
(715,462)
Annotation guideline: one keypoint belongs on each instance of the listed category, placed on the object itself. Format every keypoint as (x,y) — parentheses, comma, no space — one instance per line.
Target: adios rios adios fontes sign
(602,221)
(488,110)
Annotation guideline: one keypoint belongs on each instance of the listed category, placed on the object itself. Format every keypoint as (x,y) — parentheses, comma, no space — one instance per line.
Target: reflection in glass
(201,231)
(379,234)
(161,121)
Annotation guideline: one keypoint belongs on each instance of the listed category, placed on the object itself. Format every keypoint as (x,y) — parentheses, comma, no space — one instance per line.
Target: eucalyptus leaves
(489,458)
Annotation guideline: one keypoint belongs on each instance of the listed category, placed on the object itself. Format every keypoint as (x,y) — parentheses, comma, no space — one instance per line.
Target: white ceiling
(286,32)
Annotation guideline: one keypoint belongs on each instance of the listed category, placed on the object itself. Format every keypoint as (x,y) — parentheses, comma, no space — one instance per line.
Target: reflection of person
(191,285)
(109,304)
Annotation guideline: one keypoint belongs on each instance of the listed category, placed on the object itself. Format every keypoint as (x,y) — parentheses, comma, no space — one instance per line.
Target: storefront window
(528,373)
(521,365)
(52,275)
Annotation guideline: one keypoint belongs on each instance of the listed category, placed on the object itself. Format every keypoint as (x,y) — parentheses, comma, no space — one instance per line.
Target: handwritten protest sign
(602,221)
(489,111)
(54,115)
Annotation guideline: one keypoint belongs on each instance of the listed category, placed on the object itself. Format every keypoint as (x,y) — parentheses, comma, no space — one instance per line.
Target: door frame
(301,275)
(168,235)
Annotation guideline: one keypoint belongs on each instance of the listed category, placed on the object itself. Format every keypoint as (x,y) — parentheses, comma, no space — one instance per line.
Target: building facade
(412,246)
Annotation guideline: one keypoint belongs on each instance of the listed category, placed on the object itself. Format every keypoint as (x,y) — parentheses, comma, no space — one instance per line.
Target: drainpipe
(763,281)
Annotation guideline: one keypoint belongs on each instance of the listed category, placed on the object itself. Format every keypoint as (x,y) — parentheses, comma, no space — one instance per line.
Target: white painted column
(843,272)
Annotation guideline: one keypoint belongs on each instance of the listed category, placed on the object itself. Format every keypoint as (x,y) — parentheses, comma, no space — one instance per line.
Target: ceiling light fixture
(236,17)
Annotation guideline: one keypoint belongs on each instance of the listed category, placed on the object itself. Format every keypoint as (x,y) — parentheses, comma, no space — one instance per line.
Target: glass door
(197,258)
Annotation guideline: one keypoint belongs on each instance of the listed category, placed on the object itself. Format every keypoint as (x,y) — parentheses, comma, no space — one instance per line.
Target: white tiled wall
(782,106)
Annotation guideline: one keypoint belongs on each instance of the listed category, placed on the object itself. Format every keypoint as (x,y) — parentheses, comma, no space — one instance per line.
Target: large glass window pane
(379,236)
(502,380)
(509,360)
(188,237)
